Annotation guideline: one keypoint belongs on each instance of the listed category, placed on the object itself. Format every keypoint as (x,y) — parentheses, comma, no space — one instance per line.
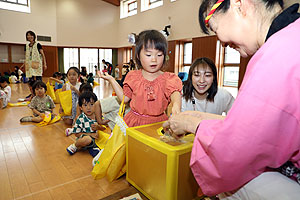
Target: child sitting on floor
(40,103)
(86,87)
(83,126)
(14,78)
(57,81)
(31,95)
(5,93)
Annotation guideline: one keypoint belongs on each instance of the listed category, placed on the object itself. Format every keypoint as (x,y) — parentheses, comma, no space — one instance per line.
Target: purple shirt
(262,129)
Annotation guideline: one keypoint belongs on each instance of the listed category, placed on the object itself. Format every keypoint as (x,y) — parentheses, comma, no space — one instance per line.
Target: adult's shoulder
(39,46)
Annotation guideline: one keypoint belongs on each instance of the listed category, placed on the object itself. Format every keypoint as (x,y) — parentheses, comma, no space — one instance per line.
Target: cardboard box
(157,169)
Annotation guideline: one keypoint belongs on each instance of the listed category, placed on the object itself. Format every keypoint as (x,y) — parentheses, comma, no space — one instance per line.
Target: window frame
(220,64)
(135,9)
(124,8)
(147,5)
(15,6)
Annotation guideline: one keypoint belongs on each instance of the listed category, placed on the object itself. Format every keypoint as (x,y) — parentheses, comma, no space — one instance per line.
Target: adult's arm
(43,56)
(188,122)
(254,137)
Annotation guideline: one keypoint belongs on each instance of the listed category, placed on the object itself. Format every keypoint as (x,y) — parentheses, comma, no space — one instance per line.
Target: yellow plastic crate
(159,170)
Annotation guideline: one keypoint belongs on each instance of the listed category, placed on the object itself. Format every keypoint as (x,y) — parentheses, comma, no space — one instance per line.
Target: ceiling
(113,2)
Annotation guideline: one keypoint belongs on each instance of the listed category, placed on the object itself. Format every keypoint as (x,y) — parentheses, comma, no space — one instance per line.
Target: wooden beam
(113,2)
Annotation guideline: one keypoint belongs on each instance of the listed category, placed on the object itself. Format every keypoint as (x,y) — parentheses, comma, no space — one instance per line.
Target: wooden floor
(34,163)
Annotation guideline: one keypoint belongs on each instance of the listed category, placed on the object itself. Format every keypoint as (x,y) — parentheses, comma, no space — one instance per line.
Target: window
(4,53)
(231,70)
(88,59)
(232,56)
(17,54)
(128,8)
(187,56)
(70,58)
(16,5)
(149,4)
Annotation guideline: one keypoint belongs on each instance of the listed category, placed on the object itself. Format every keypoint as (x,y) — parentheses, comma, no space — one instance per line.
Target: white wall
(41,20)
(87,23)
(181,14)
(95,23)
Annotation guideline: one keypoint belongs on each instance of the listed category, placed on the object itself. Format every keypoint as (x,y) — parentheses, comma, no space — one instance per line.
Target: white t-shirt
(7,90)
(13,79)
(68,86)
(222,103)
(3,96)
(20,72)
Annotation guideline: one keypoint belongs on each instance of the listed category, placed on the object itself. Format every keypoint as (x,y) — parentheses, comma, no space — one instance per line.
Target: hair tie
(213,9)
(132,38)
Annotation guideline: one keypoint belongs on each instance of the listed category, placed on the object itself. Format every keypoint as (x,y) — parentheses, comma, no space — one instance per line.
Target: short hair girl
(149,89)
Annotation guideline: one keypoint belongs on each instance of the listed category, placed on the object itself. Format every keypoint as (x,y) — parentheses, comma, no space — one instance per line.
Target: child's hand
(105,76)
(104,122)
(96,127)
(94,135)
(72,87)
(42,115)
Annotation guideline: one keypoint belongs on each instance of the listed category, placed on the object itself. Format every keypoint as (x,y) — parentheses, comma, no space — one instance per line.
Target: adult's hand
(187,122)
(180,124)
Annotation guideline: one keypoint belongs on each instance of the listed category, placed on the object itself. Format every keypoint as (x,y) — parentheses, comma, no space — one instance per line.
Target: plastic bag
(112,162)
(50,91)
(102,139)
(48,119)
(56,95)
(65,98)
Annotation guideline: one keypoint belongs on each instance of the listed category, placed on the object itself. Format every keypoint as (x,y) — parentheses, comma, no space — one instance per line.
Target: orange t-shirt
(149,99)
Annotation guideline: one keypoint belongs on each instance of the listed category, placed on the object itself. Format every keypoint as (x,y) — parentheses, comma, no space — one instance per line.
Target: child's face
(72,76)
(40,91)
(3,85)
(151,59)
(88,108)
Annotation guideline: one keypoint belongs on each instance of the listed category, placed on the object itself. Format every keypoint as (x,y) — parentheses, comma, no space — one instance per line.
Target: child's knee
(84,141)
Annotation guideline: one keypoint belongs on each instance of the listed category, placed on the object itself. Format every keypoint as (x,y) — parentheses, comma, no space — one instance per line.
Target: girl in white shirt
(73,85)
(6,91)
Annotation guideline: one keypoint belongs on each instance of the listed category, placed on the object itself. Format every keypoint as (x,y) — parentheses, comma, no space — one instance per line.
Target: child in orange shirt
(149,89)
